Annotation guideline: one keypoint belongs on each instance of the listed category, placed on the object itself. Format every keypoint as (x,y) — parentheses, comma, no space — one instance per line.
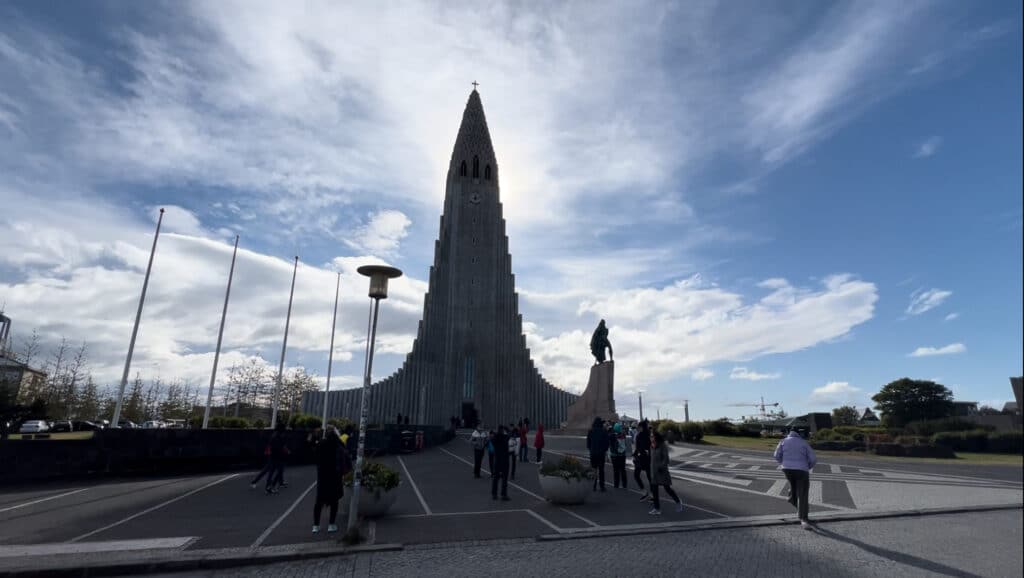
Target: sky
(800,201)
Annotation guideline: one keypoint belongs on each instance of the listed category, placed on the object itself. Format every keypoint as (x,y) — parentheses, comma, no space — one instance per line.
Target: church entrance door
(470,417)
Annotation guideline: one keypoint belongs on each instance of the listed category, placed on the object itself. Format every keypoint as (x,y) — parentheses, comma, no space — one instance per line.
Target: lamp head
(379,275)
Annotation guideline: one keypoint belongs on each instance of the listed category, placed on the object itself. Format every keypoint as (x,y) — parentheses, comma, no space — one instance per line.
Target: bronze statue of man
(599,341)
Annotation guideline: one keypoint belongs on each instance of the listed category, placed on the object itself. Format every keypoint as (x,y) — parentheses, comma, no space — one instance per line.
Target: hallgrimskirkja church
(469,359)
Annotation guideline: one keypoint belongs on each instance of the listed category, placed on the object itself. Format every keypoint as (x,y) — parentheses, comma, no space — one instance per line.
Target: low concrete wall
(170,451)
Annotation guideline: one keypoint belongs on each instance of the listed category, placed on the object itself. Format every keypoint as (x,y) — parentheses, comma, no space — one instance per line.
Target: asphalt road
(439,501)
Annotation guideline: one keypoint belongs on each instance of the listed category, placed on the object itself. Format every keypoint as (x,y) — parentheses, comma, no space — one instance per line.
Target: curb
(761,521)
(179,561)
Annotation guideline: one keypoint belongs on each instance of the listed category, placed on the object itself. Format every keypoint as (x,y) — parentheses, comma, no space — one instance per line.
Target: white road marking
(717,478)
(778,488)
(814,494)
(9,551)
(426,508)
(543,520)
(525,491)
(266,533)
(732,466)
(151,509)
(47,499)
(835,468)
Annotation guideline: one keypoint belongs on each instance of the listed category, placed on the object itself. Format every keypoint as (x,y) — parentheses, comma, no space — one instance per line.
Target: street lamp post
(379,276)
(330,357)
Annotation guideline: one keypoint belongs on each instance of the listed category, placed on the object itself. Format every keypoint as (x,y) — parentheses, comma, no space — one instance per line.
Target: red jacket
(538,440)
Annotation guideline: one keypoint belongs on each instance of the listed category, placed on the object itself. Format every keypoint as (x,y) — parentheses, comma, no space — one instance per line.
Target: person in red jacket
(524,444)
(538,441)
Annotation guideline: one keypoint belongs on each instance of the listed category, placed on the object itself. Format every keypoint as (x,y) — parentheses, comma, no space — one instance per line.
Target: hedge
(1006,442)
(837,446)
(929,451)
(949,424)
(963,441)
(692,432)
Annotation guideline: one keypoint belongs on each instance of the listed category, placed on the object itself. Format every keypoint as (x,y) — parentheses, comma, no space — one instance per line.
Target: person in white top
(797,459)
(513,449)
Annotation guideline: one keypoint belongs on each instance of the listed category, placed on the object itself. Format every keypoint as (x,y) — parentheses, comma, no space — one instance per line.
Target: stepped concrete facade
(469,359)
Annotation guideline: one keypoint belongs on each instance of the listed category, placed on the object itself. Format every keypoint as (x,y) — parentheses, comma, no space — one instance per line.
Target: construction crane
(762,407)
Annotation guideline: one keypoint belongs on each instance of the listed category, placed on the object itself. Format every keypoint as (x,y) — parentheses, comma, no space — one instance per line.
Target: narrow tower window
(476,167)
(462,169)
(487,173)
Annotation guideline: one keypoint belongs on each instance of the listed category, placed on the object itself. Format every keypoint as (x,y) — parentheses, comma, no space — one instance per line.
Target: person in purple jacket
(797,459)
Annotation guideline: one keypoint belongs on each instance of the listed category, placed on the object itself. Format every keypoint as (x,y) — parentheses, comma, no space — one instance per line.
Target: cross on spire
(475,84)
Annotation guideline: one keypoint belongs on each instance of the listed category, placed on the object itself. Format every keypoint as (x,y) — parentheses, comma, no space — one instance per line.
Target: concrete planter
(558,490)
(372,504)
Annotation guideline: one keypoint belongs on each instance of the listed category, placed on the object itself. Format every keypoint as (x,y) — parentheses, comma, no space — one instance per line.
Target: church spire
(474,140)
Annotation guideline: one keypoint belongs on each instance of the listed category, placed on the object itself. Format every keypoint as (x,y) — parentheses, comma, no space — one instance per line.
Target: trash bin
(407,442)
(419,440)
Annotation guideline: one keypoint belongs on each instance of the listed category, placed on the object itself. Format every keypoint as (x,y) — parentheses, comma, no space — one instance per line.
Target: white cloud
(835,392)
(922,301)
(744,373)
(952,316)
(928,147)
(702,374)
(382,233)
(951,349)
(660,334)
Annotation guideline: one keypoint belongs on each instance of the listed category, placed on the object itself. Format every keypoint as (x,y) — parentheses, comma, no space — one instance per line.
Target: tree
(845,415)
(132,408)
(295,385)
(906,400)
(988,410)
(88,401)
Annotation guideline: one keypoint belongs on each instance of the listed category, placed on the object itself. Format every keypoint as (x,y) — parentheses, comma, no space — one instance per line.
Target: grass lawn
(767,445)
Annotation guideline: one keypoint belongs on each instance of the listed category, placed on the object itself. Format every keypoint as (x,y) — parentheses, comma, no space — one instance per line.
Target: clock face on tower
(475,198)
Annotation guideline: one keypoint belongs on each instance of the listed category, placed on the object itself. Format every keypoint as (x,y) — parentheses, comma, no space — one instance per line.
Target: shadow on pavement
(898,557)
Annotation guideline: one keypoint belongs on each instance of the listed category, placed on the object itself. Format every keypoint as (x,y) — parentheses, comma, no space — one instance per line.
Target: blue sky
(797,200)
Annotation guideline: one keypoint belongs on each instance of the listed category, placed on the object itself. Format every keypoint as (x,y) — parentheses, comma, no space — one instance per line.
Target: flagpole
(220,336)
(330,357)
(135,330)
(284,348)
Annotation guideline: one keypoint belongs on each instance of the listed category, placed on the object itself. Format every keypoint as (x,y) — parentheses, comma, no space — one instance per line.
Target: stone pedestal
(598,400)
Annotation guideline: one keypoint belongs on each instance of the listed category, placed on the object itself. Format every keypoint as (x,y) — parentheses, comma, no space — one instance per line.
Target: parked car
(127,424)
(175,424)
(86,426)
(152,424)
(34,426)
(61,426)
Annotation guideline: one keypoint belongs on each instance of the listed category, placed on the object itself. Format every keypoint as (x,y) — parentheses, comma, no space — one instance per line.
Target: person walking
(513,450)
(597,445)
(500,468)
(275,451)
(642,457)
(538,442)
(332,463)
(661,477)
(524,445)
(479,442)
(617,451)
(797,459)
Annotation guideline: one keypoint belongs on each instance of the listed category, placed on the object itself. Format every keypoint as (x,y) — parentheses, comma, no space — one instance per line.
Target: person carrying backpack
(597,445)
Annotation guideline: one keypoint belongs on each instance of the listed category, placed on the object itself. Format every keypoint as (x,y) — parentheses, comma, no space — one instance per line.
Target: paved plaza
(440,504)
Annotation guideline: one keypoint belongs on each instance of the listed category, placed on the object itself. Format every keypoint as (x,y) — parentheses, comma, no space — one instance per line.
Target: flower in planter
(377,478)
(568,468)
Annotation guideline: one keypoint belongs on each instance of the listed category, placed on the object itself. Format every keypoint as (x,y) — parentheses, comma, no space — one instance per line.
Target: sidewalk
(967,545)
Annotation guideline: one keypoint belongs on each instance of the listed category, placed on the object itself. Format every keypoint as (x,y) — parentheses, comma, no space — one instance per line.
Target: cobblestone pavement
(975,544)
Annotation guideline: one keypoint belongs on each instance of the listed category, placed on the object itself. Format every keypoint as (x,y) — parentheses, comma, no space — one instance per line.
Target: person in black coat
(597,444)
(501,464)
(332,463)
(642,456)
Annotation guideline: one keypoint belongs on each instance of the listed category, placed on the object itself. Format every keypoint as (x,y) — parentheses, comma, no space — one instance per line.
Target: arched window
(487,173)
(476,167)
(462,169)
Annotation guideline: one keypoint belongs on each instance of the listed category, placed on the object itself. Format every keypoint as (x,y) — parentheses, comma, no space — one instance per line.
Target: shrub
(719,427)
(837,446)
(221,422)
(929,451)
(568,468)
(341,423)
(259,424)
(1006,442)
(692,432)
(963,441)
(376,478)
(934,426)
(750,429)
(304,421)
(913,440)
(889,450)
(669,429)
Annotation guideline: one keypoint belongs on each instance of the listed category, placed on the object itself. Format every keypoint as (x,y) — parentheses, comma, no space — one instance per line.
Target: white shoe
(679,507)
(332,529)
(316,529)
(655,512)
(805,524)
(252,486)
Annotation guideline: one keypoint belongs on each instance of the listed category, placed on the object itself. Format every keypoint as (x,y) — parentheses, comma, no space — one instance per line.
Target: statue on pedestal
(598,343)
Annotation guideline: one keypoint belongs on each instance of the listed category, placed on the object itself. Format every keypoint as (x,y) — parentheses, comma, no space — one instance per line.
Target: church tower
(470,358)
